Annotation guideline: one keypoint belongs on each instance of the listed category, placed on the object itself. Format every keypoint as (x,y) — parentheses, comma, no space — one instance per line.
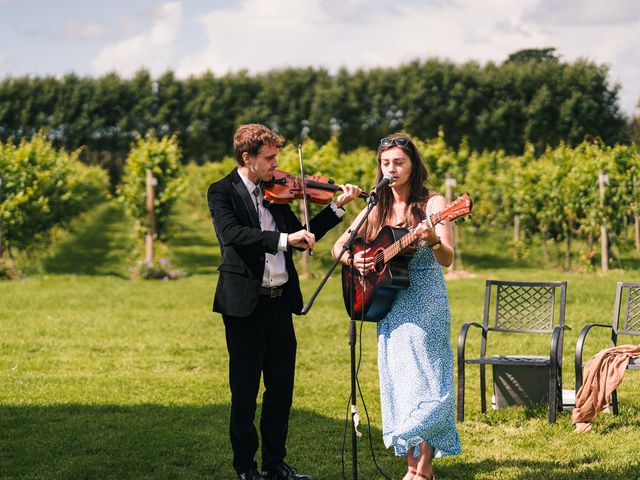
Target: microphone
(388,179)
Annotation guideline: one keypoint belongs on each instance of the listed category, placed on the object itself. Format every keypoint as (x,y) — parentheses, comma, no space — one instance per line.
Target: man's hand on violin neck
(301,239)
(350,192)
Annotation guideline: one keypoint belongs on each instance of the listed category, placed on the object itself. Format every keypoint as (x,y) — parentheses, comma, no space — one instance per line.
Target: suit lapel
(247,199)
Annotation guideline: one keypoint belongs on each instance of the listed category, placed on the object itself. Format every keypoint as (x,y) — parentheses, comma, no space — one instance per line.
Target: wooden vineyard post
(636,213)
(449,183)
(603,179)
(151,182)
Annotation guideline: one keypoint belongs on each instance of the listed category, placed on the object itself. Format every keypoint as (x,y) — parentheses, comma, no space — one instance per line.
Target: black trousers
(263,343)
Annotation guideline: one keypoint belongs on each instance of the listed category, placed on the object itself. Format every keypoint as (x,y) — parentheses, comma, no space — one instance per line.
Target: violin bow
(304,193)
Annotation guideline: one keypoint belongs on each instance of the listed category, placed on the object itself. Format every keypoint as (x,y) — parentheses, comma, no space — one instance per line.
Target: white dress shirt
(275,268)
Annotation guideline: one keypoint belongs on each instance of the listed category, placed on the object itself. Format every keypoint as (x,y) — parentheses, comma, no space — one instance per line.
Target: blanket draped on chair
(602,375)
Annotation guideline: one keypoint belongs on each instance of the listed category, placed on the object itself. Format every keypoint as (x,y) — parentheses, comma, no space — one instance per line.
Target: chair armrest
(579,347)
(462,338)
(556,344)
(583,336)
(555,351)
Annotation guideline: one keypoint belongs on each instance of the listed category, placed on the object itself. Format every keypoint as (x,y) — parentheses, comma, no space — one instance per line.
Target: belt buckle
(274,292)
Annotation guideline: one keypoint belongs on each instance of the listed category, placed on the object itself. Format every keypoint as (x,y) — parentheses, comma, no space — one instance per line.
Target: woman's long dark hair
(418,192)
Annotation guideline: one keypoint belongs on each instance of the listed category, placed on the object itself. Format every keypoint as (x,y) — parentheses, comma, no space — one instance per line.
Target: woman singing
(415,359)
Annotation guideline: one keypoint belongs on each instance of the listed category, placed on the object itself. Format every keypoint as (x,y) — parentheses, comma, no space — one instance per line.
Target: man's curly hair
(251,137)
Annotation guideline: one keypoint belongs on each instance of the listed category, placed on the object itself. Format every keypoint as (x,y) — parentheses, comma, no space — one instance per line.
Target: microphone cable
(366,411)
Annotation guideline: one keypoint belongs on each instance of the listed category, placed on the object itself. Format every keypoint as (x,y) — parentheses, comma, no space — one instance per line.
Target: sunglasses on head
(398,141)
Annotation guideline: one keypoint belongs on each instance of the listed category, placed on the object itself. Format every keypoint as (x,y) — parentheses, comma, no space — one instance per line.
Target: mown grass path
(98,246)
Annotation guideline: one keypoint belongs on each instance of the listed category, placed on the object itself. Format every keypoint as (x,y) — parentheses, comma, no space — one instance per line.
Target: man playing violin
(258,291)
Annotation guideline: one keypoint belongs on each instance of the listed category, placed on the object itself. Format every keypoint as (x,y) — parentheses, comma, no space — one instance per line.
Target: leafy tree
(545,55)
(43,187)
(162,157)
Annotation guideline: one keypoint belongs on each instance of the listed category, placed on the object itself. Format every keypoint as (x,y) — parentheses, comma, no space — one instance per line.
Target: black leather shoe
(284,472)
(249,475)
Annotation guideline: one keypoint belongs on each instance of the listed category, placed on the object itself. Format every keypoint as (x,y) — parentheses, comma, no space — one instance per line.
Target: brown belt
(271,292)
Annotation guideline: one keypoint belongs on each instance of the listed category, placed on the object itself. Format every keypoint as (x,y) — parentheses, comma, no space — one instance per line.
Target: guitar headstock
(457,209)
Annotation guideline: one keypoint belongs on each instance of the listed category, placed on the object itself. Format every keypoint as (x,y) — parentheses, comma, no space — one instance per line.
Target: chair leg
(614,402)
(560,404)
(578,378)
(553,394)
(483,388)
(461,392)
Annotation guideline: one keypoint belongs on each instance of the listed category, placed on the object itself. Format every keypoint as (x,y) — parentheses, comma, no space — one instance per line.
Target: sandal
(421,475)
(410,474)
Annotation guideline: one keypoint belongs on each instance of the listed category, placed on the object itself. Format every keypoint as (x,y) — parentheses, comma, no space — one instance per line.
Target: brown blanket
(602,375)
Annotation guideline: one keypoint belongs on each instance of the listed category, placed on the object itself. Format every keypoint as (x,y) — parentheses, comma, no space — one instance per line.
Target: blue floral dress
(415,363)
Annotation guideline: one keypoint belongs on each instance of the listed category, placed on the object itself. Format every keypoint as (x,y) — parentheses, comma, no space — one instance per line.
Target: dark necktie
(256,193)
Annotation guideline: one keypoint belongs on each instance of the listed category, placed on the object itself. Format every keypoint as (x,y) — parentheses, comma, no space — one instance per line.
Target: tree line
(532,98)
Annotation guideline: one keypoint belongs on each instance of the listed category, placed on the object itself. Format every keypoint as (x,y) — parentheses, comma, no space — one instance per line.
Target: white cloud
(82,31)
(586,12)
(612,40)
(262,34)
(153,50)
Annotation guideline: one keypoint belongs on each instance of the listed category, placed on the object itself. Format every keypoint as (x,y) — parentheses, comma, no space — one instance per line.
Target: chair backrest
(626,312)
(525,306)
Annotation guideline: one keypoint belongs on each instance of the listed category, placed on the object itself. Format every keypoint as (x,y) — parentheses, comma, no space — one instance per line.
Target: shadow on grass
(154,442)
(98,247)
(191,442)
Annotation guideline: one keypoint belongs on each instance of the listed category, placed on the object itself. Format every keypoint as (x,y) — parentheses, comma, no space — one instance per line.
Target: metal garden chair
(626,321)
(521,308)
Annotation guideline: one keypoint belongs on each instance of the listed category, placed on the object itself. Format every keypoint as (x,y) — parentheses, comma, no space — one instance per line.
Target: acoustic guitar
(391,251)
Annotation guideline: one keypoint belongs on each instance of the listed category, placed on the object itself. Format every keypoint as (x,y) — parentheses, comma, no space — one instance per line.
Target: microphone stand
(348,246)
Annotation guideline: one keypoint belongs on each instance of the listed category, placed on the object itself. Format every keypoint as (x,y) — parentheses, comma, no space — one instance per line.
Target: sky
(189,37)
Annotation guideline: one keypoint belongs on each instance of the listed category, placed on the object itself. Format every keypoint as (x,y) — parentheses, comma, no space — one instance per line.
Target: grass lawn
(102,377)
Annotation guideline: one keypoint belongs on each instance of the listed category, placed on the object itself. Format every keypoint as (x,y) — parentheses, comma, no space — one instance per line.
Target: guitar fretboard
(398,246)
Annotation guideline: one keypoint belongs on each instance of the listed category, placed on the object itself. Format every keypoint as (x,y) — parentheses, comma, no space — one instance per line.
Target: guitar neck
(398,246)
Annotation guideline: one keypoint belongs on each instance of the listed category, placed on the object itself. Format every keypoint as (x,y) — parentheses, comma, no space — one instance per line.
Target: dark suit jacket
(243,245)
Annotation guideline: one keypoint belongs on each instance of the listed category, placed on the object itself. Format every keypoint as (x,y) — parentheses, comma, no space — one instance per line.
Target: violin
(285,188)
